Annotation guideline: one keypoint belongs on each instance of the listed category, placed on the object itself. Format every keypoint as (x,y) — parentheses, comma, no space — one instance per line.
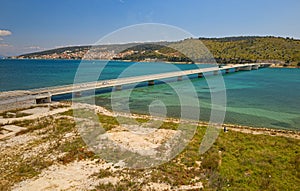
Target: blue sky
(44,24)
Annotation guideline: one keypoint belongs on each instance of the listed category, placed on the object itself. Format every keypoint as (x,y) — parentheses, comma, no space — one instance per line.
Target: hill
(272,49)
(224,50)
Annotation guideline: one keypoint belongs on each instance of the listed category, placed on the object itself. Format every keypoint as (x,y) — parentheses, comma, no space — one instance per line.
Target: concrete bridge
(43,95)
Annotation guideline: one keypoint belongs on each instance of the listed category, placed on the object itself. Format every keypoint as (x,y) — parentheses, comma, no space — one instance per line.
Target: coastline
(66,106)
(145,61)
(254,124)
(236,127)
(290,67)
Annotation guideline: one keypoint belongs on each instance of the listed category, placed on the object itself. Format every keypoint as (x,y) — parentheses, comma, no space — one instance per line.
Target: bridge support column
(179,78)
(254,67)
(237,69)
(118,88)
(41,100)
(216,72)
(262,65)
(265,65)
(77,94)
(200,75)
(151,83)
(246,68)
(227,71)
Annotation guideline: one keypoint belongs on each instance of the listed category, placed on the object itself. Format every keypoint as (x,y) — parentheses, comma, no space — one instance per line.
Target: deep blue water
(266,97)
(29,74)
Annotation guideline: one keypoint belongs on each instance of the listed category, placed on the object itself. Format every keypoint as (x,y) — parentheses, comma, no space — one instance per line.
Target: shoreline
(143,61)
(289,67)
(229,126)
(295,134)
(200,123)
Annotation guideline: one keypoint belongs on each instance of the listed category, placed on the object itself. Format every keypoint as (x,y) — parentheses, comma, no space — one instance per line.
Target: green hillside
(223,50)
(254,48)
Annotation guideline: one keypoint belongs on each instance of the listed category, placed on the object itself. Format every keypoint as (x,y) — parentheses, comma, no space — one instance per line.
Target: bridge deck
(59,90)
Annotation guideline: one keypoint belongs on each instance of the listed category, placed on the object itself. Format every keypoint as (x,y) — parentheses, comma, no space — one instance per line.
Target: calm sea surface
(264,98)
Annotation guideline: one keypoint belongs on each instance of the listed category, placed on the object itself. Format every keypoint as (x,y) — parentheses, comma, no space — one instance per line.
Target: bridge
(43,95)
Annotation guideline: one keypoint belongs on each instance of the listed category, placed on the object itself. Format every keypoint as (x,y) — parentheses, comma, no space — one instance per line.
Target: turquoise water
(266,97)
(260,98)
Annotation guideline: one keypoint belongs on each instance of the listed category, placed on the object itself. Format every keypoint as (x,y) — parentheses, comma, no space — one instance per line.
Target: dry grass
(236,160)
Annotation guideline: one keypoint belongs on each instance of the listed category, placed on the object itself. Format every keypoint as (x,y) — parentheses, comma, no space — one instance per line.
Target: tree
(298,64)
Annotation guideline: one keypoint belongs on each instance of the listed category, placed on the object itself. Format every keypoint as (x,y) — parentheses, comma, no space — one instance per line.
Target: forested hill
(224,50)
(232,49)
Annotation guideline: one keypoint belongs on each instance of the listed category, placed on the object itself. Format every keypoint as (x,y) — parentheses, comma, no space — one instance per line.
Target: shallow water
(266,97)
(261,98)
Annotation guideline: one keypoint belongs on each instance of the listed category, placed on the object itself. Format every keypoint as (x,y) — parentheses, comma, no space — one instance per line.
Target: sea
(267,97)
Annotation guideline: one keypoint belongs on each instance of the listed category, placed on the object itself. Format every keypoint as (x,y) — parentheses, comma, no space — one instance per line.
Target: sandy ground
(231,127)
(139,141)
(74,176)
(9,131)
(36,113)
(79,176)
(36,110)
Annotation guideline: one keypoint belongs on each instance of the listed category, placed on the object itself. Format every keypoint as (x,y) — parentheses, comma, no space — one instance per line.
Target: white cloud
(69,45)
(33,47)
(1,38)
(5,33)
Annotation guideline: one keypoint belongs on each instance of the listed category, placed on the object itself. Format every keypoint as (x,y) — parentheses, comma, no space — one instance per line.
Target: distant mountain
(225,50)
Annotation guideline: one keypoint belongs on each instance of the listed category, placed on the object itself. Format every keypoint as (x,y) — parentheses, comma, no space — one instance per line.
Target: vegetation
(258,162)
(254,49)
(224,50)
(236,161)
(70,49)
(16,113)
(153,52)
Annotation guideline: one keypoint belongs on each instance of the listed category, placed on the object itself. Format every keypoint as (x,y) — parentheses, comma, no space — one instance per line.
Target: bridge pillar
(237,69)
(255,67)
(179,78)
(118,88)
(247,68)
(43,99)
(151,83)
(216,72)
(227,71)
(262,65)
(77,94)
(200,75)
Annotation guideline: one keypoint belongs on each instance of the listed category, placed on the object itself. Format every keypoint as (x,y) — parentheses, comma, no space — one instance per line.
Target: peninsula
(234,50)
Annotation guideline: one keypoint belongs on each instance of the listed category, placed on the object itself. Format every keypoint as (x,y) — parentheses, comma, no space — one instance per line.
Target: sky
(35,25)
